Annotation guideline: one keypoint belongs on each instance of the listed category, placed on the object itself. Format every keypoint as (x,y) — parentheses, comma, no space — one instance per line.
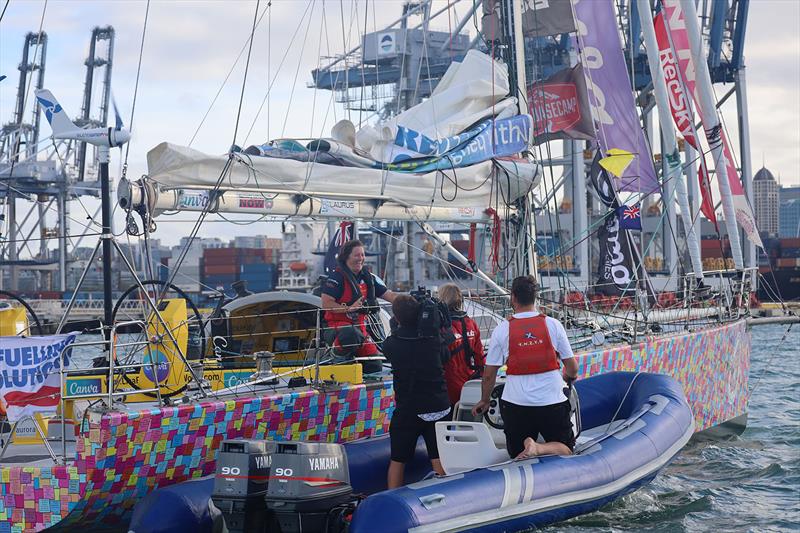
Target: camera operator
(348,295)
(420,392)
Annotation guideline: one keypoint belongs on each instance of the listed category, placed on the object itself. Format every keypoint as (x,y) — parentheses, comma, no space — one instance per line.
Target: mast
(713,127)
(672,155)
(518,80)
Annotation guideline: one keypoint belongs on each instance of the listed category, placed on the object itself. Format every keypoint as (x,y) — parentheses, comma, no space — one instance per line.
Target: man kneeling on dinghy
(420,390)
(533,401)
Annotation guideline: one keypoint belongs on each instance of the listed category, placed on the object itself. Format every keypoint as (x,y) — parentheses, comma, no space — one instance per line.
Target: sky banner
(676,25)
(615,274)
(560,107)
(539,18)
(610,96)
(682,112)
(29,373)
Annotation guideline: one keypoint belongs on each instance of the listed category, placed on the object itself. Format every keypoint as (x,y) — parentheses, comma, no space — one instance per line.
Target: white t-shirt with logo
(531,389)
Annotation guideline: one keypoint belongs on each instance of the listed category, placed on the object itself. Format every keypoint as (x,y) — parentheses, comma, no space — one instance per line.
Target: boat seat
(467,445)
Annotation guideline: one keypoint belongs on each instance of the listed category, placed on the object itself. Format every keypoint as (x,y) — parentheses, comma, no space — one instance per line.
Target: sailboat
(453,158)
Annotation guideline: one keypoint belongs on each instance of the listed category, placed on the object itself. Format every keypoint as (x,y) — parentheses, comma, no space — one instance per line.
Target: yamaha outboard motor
(243,469)
(282,487)
(309,482)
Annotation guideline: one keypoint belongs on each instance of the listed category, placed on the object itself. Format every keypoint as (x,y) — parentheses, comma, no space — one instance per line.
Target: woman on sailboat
(348,295)
(467,357)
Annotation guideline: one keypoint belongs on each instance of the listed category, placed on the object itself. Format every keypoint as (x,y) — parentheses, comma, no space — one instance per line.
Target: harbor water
(747,483)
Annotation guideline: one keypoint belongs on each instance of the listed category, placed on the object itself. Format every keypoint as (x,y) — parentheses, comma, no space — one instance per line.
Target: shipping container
(213,270)
(788,262)
(790,252)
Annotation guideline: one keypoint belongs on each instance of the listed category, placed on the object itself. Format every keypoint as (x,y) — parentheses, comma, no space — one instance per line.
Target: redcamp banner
(560,107)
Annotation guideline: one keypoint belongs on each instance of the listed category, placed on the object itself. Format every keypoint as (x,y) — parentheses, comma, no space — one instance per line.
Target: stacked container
(223,266)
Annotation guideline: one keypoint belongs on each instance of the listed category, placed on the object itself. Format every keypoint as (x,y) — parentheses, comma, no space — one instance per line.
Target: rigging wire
(136,86)
(227,76)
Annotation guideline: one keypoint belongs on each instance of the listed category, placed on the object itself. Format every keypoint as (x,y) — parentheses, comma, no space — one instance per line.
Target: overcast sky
(191,47)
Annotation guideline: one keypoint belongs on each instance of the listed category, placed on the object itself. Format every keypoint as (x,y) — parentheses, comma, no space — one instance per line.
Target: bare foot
(531,449)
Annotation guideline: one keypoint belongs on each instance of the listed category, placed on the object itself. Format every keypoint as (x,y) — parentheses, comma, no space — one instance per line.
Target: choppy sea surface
(746,483)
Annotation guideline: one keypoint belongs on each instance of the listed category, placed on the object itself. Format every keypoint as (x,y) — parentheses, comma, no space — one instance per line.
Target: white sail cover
(472,90)
(452,138)
(479,185)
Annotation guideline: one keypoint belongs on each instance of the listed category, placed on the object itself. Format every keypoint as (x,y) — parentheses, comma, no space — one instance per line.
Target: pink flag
(682,112)
(676,25)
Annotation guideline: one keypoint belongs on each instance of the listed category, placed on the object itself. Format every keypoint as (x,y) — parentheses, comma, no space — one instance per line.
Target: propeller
(120,135)
(118,126)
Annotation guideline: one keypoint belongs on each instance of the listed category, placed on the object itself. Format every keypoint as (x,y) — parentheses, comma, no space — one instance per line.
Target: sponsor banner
(610,96)
(675,23)
(29,373)
(489,139)
(681,109)
(560,107)
(81,386)
(539,18)
(615,274)
(255,202)
(338,207)
(192,199)
(465,212)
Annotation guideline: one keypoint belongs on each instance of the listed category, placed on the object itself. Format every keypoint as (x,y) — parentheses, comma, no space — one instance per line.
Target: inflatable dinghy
(633,424)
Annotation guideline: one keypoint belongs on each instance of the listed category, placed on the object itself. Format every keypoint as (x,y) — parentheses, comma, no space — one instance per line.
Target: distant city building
(790,193)
(790,218)
(765,198)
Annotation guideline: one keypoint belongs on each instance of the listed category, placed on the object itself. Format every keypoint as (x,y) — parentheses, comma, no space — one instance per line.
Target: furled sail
(453,151)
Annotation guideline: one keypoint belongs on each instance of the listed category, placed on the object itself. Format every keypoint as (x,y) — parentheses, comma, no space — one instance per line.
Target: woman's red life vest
(530,350)
(349,297)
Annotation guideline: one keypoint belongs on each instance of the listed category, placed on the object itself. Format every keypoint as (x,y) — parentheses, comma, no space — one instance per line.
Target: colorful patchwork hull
(123,456)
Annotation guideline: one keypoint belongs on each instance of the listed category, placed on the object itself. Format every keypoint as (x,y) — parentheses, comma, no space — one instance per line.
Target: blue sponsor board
(81,386)
(489,139)
(234,377)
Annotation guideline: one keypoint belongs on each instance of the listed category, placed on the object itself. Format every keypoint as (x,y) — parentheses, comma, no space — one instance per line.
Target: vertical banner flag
(560,107)
(29,373)
(343,234)
(682,112)
(675,23)
(539,18)
(610,95)
(615,273)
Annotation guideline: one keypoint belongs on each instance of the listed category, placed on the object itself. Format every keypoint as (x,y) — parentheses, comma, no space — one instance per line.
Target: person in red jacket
(467,357)
(347,295)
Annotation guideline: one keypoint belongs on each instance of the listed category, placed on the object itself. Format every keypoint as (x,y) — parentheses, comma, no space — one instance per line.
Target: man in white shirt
(534,348)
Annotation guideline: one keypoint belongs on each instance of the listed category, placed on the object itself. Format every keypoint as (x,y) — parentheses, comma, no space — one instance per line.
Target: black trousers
(522,421)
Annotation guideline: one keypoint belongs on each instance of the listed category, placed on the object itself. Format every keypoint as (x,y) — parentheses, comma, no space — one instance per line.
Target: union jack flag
(343,234)
(630,217)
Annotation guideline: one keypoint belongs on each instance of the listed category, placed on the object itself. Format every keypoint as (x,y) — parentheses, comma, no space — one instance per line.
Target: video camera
(434,316)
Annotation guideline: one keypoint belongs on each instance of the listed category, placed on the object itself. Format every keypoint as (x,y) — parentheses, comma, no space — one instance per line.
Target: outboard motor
(243,469)
(282,487)
(309,481)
